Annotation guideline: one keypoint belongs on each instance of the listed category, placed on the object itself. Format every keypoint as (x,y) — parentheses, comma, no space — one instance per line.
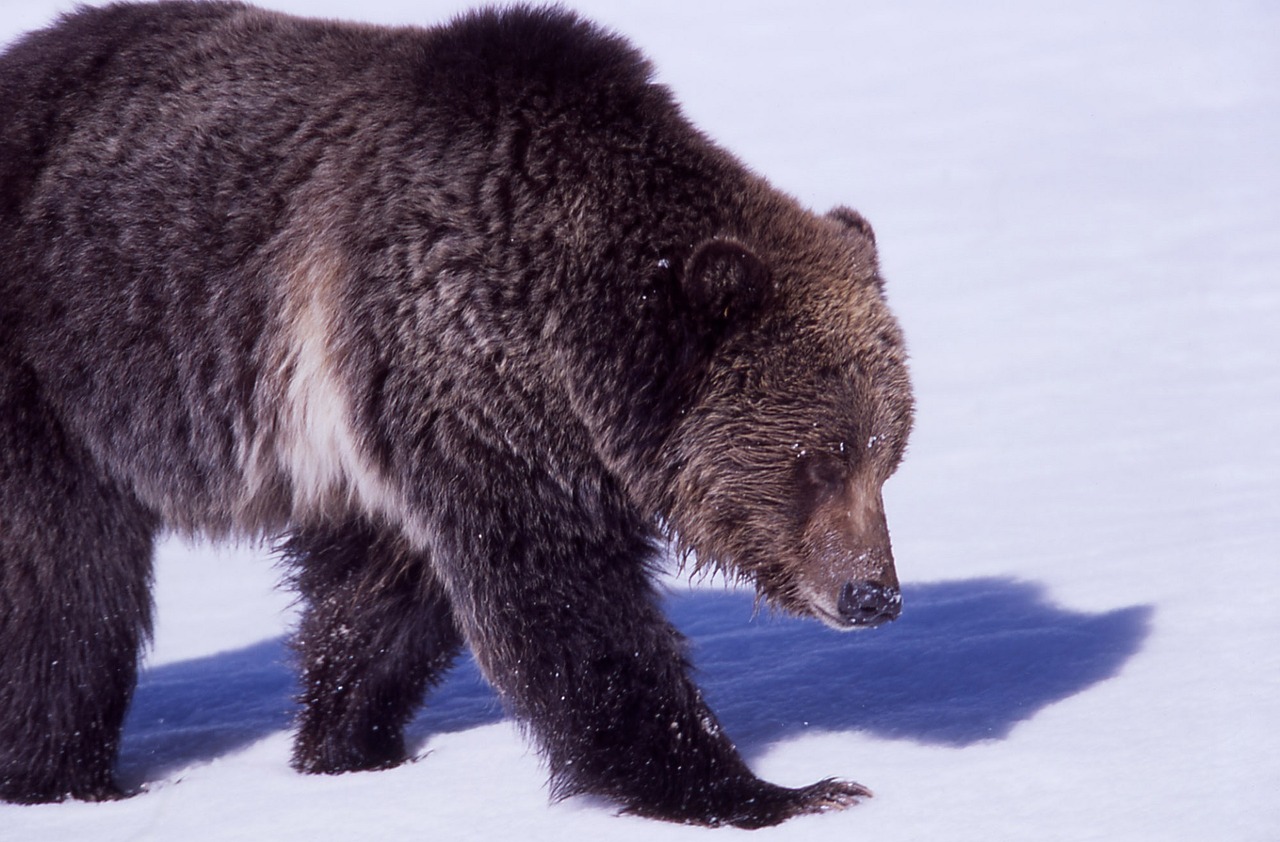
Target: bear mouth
(835,621)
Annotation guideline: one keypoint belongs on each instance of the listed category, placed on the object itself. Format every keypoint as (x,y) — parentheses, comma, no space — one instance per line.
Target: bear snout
(868,603)
(847,577)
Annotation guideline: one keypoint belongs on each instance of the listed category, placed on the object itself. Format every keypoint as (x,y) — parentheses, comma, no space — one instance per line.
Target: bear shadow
(967,661)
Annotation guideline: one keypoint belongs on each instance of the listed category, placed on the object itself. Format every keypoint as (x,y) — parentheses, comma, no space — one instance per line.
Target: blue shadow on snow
(967,661)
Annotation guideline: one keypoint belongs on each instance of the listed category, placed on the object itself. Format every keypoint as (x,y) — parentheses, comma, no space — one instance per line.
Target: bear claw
(829,795)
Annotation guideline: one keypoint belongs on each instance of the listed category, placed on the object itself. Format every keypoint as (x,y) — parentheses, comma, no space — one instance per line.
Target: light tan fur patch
(309,439)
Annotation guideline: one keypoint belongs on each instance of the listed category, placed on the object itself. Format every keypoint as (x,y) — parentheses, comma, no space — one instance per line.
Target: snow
(1077,205)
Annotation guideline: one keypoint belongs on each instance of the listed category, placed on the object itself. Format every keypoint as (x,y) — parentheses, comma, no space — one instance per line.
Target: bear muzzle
(853,604)
(848,578)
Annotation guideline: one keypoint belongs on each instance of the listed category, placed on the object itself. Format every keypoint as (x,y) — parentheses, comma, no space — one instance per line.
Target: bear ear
(854,221)
(725,280)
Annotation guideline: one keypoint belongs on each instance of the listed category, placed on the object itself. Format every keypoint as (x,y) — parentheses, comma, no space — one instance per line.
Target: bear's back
(182,170)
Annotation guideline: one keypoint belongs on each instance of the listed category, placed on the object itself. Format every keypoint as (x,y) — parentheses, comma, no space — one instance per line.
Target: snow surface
(1078,206)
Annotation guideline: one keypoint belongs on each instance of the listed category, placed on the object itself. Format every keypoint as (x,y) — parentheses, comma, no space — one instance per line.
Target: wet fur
(438,307)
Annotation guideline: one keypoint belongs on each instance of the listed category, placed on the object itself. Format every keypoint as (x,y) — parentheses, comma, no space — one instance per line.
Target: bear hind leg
(376,632)
(75,605)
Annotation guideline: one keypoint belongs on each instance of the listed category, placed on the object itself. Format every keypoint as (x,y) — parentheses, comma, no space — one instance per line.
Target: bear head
(801,412)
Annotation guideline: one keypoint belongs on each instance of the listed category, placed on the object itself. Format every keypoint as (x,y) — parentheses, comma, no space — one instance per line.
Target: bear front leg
(376,632)
(554,596)
(75,605)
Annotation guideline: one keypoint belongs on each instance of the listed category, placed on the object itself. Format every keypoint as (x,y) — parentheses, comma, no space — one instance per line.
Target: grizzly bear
(474,323)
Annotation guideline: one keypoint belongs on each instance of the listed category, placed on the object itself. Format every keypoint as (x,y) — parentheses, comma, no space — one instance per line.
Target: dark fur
(475,319)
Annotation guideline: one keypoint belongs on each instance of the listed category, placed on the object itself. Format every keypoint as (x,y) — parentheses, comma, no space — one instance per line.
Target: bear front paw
(760,804)
(827,795)
(777,804)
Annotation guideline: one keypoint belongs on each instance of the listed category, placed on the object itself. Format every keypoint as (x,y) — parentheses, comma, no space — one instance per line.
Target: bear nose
(869,604)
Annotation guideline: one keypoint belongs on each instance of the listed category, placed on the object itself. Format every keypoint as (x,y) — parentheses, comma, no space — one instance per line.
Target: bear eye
(824,475)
